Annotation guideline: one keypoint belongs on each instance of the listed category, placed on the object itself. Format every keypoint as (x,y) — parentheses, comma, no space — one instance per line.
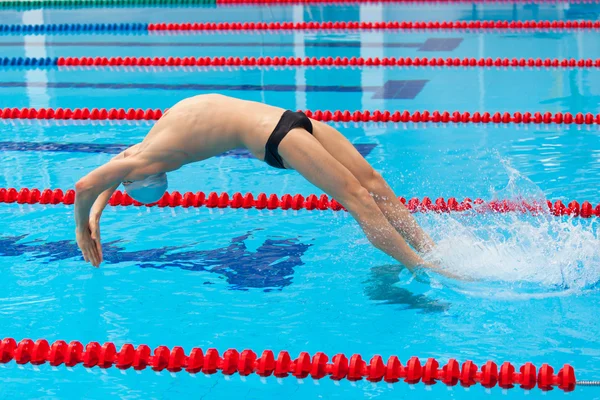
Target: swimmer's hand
(88,240)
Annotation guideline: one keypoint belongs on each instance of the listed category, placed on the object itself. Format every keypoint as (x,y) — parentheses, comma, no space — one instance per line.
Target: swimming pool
(306,280)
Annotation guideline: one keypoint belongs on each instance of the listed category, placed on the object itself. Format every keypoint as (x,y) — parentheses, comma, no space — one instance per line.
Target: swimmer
(205,126)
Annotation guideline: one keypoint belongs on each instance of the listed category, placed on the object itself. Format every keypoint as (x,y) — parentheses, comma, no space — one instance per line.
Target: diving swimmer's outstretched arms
(95,189)
(205,126)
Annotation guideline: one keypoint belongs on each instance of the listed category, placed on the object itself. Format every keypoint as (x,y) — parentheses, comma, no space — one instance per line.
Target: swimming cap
(148,190)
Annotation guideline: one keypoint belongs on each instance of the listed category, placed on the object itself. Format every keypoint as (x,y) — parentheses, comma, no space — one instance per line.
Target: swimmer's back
(206,125)
(203,124)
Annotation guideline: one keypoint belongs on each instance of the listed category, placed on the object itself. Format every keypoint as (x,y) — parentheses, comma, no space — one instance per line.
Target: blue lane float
(78,28)
(28,61)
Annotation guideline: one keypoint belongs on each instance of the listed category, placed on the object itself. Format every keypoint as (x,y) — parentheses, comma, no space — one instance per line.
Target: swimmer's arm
(89,188)
(102,200)
(87,191)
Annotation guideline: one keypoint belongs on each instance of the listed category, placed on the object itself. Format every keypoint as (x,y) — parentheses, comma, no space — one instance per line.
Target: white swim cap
(149,190)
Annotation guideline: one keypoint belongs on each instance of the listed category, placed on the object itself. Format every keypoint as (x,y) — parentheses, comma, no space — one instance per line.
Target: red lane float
(247,362)
(81,114)
(379,25)
(326,116)
(324,62)
(298,202)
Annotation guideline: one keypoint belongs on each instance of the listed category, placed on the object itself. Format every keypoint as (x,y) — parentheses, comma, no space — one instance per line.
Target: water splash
(514,255)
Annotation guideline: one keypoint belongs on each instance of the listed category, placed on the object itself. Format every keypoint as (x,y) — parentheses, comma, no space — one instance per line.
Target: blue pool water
(306,280)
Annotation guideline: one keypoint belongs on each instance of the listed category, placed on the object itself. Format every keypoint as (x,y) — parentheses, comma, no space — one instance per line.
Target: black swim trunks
(289,120)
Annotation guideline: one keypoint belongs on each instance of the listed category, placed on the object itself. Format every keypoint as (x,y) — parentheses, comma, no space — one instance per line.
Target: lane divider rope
(35,4)
(139,114)
(44,29)
(298,202)
(502,25)
(35,62)
(318,366)
(382,25)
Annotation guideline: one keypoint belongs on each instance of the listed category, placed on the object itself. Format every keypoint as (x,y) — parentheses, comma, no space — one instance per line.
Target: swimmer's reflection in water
(381,286)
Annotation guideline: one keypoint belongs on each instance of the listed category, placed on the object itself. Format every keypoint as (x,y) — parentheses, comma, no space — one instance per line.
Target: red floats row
(327,116)
(455,117)
(322,62)
(318,366)
(299,202)
(81,114)
(357,25)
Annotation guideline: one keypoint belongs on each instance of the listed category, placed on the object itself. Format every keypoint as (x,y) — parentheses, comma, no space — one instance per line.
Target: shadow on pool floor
(270,267)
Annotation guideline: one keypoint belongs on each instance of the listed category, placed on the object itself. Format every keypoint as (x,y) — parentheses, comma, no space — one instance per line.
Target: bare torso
(204,126)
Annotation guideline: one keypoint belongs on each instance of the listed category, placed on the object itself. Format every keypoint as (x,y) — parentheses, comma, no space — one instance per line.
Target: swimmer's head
(148,190)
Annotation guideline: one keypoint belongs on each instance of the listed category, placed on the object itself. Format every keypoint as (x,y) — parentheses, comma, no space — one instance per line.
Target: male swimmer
(204,126)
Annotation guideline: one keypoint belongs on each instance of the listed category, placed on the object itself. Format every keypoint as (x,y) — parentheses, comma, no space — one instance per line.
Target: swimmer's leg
(302,152)
(396,213)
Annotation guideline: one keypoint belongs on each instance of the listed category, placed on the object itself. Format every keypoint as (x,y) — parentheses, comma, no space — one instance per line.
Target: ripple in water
(516,256)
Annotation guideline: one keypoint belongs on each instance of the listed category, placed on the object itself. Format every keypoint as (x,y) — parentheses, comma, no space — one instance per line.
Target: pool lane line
(131,114)
(204,63)
(391,89)
(310,202)
(402,126)
(210,87)
(115,148)
(247,362)
(245,27)
(425,46)
(73,4)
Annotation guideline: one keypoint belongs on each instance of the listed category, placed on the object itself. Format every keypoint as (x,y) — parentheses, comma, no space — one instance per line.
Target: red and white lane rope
(502,26)
(477,117)
(299,202)
(295,62)
(319,366)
